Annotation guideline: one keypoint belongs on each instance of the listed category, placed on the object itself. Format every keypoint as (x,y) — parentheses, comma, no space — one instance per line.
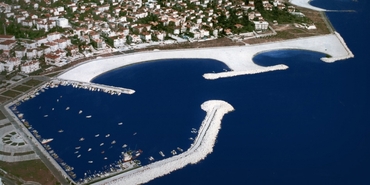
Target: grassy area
(4,153)
(11,93)
(6,124)
(2,100)
(33,170)
(23,153)
(22,88)
(289,31)
(53,74)
(2,116)
(32,82)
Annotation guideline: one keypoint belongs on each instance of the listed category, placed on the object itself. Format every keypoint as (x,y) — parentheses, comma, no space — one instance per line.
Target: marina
(105,162)
(128,159)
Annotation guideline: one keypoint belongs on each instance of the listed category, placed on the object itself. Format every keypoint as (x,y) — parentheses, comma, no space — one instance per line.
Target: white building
(7,37)
(62,22)
(41,40)
(31,53)
(52,59)
(41,26)
(10,64)
(53,46)
(62,43)
(53,36)
(30,66)
(20,52)
(261,25)
(7,45)
(119,41)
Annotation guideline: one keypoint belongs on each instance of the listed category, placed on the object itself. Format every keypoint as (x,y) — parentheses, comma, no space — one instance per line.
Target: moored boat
(45,141)
(161,153)
(180,149)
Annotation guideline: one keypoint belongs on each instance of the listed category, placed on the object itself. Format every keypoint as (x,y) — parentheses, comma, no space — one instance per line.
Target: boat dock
(90,86)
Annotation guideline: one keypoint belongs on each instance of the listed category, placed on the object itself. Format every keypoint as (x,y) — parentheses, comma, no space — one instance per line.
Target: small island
(67,42)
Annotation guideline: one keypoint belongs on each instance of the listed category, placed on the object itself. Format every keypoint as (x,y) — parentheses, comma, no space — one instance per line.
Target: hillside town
(43,34)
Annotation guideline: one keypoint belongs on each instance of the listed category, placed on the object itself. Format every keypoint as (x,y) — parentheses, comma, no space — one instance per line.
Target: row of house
(10,64)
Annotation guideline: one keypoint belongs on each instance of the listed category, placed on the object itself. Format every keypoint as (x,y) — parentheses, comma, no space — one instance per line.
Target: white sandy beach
(305,4)
(238,59)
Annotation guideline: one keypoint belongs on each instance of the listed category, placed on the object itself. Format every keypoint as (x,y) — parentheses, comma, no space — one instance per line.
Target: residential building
(30,66)
(261,25)
(53,59)
(62,22)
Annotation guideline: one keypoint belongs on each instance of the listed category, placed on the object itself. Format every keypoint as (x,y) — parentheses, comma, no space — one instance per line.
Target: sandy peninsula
(305,4)
(238,58)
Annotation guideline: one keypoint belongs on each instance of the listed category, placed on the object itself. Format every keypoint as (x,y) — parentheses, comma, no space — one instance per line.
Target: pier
(90,86)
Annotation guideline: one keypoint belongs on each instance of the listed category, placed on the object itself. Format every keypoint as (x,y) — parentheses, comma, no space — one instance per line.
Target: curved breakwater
(213,76)
(202,146)
(349,52)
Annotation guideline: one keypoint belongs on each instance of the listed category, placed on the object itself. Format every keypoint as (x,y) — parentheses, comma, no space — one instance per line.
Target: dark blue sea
(308,124)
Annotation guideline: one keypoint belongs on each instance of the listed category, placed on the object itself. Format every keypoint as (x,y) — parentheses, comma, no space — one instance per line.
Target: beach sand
(305,4)
(238,58)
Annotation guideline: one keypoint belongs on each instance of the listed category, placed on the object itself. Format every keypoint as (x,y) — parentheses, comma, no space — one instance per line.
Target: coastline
(202,146)
(238,58)
(306,4)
